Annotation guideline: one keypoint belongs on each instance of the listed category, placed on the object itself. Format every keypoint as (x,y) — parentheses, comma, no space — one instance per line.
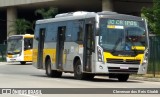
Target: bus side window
(27,44)
(80,34)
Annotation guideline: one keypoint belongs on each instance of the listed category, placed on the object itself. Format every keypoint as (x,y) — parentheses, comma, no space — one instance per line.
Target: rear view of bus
(122,46)
(19,48)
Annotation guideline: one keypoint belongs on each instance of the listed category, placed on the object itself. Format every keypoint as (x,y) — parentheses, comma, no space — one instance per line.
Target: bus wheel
(23,63)
(50,72)
(122,77)
(78,71)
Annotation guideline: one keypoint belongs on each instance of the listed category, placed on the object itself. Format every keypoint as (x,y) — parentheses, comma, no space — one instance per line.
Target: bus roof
(67,16)
(83,15)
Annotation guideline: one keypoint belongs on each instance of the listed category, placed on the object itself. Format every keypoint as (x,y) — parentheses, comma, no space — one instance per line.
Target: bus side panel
(50,50)
(71,49)
(39,29)
(28,55)
(34,58)
(35,53)
(73,45)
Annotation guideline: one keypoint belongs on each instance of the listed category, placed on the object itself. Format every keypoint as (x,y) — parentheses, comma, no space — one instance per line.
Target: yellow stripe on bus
(109,55)
(34,58)
(28,55)
(51,53)
(48,52)
(28,36)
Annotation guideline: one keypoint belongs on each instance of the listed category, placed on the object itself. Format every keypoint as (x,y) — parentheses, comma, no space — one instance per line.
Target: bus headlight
(99,54)
(145,60)
(15,56)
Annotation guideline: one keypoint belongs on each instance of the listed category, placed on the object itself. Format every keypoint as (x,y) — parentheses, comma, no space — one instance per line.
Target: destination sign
(123,22)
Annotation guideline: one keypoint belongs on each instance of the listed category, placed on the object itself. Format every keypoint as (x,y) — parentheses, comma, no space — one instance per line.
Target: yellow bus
(89,44)
(19,48)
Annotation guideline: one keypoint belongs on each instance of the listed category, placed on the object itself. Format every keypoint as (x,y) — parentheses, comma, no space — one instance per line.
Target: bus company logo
(6,91)
(21,91)
(124,55)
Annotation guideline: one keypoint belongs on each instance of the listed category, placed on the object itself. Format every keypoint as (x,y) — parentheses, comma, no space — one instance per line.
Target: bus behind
(19,48)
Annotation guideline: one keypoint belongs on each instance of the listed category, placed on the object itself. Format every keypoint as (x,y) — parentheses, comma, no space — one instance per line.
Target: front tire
(78,74)
(50,72)
(122,77)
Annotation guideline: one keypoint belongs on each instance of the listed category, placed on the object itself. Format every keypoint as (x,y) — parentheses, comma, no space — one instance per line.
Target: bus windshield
(14,45)
(122,35)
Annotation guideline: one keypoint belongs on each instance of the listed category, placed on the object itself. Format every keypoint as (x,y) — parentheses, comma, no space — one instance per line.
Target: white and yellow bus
(19,48)
(89,44)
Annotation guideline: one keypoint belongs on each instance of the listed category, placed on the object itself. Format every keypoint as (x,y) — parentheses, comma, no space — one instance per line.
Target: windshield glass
(122,35)
(14,45)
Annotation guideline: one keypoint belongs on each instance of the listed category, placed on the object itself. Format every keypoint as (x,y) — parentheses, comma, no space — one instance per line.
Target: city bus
(90,44)
(19,48)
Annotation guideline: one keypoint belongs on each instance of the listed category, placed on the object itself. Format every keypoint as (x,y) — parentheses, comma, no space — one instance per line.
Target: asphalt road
(14,75)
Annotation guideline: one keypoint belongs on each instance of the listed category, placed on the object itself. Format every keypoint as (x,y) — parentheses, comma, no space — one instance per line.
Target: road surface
(14,75)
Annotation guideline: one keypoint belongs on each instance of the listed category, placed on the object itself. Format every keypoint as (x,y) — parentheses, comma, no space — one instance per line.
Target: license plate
(124,67)
(13,59)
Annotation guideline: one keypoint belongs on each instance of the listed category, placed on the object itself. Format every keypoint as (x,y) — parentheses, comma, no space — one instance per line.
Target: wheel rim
(78,70)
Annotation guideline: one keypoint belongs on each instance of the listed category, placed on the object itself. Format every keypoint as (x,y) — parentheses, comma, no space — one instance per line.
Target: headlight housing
(145,59)
(99,54)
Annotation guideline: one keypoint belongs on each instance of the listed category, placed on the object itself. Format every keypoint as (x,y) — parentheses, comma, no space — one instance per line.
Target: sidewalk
(145,78)
(3,63)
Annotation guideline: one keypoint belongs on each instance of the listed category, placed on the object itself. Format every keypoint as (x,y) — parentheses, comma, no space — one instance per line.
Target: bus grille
(117,69)
(121,61)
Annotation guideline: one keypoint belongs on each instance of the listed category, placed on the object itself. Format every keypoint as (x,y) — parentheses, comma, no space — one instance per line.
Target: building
(10,10)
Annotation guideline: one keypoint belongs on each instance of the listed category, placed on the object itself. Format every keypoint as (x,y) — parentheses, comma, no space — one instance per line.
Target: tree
(20,26)
(47,13)
(153,16)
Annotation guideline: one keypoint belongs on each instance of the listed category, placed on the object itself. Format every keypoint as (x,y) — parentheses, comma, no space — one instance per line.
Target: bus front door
(60,47)
(40,48)
(88,47)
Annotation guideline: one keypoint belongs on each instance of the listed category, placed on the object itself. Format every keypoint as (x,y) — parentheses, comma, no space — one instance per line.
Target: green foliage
(20,26)
(153,16)
(47,13)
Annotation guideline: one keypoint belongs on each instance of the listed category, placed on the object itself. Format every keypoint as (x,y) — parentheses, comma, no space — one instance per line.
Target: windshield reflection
(14,46)
(122,38)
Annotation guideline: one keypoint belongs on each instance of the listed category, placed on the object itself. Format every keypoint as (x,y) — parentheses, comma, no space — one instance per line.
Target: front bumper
(107,68)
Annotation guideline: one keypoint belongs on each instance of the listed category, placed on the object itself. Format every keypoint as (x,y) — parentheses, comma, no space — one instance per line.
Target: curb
(145,79)
(3,63)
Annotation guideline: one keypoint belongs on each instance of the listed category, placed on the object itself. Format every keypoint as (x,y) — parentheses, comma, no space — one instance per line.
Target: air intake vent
(121,61)
(107,13)
(72,14)
(118,70)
